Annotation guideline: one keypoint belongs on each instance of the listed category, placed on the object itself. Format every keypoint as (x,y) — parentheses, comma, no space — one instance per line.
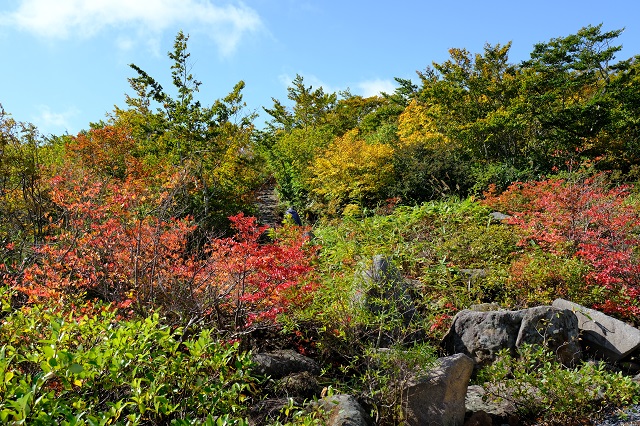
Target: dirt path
(267,200)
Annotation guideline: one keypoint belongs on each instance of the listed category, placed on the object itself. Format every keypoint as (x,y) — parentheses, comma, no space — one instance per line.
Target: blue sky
(65,62)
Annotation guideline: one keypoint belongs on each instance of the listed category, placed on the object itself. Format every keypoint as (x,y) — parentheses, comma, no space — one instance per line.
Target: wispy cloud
(365,88)
(65,19)
(376,87)
(55,122)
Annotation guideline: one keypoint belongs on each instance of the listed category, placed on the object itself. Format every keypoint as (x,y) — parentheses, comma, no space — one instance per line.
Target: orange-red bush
(587,220)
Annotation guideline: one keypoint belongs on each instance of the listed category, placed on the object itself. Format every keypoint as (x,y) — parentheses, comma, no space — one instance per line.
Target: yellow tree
(417,125)
(351,171)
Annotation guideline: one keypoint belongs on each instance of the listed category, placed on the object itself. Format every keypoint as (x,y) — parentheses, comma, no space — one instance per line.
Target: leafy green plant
(541,388)
(88,366)
(538,277)
(387,372)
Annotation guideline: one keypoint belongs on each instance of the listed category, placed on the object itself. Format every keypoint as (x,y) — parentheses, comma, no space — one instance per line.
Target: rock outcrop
(603,335)
(438,397)
(482,334)
(441,395)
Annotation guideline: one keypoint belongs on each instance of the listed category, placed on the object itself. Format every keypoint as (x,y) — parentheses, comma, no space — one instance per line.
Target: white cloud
(125,43)
(365,88)
(55,122)
(65,19)
(376,87)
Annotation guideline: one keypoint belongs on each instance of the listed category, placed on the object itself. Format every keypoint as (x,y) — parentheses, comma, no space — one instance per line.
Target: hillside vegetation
(136,281)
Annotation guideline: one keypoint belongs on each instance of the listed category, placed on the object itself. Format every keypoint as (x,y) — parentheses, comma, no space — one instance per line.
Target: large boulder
(555,328)
(281,363)
(482,334)
(608,337)
(438,397)
(383,290)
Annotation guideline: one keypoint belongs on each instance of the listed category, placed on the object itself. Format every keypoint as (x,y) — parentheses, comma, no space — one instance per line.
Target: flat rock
(608,337)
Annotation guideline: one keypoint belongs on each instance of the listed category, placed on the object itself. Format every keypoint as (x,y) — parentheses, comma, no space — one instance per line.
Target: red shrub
(587,220)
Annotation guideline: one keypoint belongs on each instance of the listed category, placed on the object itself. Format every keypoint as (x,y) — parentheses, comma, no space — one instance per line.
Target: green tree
(469,97)
(295,135)
(620,139)
(211,145)
(351,171)
(310,107)
(569,104)
(567,85)
(23,197)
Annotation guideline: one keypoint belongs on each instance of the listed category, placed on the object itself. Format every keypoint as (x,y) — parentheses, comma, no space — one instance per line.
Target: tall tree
(310,107)
(210,144)
(566,90)
(23,197)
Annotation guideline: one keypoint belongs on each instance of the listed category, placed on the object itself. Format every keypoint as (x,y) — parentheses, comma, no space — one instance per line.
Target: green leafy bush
(541,388)
(538,278)
(75,368)
(387,373)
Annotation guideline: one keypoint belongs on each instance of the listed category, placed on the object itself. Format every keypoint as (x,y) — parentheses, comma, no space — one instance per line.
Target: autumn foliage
(113,238)
(586,220)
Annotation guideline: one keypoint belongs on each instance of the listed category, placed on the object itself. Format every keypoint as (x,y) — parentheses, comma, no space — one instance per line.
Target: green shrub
(541,388)
(538,278)
(75,368)
(430,244)
(385,376)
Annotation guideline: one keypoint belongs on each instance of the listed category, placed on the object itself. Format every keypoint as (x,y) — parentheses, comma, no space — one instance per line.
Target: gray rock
(382,291)
(438,397)
(477,400)
(499,217)
(344,410)
(606,336)
(281,363)
(481,335)
(386,290)
(555,328)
